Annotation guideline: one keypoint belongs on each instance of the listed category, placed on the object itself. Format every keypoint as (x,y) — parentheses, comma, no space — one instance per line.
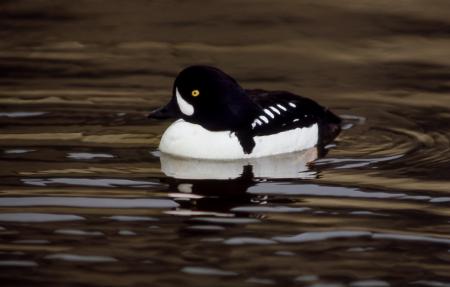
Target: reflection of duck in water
(220,120)
(214,195)
(292,165)
(223,185)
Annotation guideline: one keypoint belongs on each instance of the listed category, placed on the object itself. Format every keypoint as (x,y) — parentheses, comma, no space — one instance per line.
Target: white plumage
(189,140)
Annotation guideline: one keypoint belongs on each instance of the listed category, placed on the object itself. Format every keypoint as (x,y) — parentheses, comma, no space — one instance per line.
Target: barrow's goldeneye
(218,119)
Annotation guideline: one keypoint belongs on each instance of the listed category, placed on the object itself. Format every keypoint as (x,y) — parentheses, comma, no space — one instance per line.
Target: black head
(207,96)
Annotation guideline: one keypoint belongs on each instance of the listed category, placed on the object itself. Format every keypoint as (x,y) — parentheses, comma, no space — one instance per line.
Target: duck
(217,119)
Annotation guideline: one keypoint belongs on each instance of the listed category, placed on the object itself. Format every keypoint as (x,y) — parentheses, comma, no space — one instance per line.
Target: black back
(305,113)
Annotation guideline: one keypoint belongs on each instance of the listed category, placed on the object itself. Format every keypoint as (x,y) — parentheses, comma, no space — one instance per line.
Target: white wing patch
(185,107)
(276,111)
(281,107)
(269,113)
(256,122)
(264,118)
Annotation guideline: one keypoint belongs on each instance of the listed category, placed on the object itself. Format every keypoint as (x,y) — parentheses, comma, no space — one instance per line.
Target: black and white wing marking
(282,111)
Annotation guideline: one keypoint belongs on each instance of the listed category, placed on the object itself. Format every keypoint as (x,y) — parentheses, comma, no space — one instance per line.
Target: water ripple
(18,263)
(88,202)
(38,217)
(100,182)
(196,270)
(327,235)
(80,258)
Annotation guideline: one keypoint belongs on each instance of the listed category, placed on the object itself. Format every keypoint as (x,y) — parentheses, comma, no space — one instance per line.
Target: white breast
(189,140)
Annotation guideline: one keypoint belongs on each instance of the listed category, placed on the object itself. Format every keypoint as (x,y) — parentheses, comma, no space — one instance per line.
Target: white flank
(189,140)
(292,105)
(185,107)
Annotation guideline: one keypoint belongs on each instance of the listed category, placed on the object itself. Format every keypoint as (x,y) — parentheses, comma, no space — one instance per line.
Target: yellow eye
(195,93)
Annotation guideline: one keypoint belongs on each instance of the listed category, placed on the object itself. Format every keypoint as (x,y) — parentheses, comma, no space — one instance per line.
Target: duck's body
(185,139)
(217,119)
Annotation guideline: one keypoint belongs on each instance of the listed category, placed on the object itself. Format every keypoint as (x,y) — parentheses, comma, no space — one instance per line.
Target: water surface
(86,199)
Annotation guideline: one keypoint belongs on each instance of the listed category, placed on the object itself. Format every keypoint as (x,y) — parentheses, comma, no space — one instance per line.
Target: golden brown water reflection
(86,199)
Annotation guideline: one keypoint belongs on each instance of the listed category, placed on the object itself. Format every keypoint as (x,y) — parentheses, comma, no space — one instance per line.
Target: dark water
(87,200)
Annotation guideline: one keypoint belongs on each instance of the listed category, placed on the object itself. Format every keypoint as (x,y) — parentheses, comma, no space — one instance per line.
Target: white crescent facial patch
(184,106)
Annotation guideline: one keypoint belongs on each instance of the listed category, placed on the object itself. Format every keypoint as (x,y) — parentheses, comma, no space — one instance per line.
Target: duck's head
(207,96)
